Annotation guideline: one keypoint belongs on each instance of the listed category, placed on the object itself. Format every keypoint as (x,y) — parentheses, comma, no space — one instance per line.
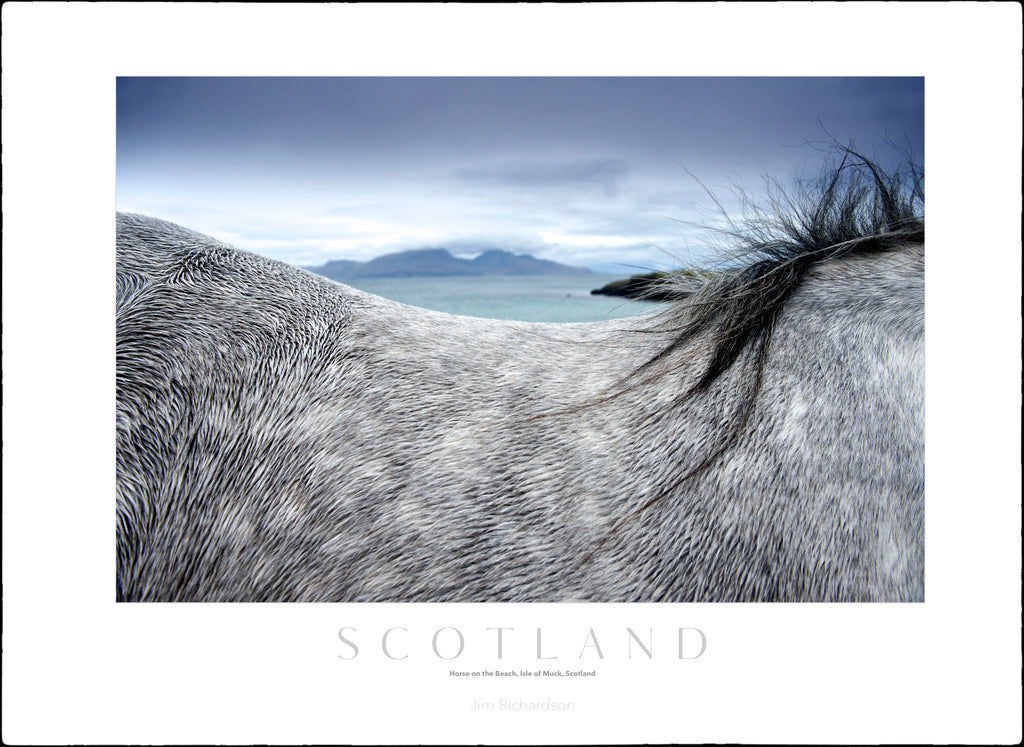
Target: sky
(607,173)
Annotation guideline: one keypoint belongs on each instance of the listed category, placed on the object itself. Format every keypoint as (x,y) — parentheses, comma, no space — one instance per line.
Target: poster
(79,668)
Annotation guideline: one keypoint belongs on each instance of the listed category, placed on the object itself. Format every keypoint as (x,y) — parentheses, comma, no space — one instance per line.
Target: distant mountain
(440,262)
(498,262)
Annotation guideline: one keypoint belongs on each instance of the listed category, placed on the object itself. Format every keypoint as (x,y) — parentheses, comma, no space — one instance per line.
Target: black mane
(855,209)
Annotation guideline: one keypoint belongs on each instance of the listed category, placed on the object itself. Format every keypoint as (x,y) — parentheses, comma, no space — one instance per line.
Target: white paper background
(78,668)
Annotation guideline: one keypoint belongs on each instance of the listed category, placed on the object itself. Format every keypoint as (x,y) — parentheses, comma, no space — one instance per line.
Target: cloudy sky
(598,172)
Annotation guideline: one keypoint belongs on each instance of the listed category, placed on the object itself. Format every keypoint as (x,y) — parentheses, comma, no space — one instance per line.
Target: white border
(78,668)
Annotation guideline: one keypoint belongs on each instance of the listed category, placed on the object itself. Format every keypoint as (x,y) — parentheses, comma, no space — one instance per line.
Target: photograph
(757,435)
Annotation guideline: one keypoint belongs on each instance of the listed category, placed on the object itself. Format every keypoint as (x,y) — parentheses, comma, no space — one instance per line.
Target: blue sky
(598,172)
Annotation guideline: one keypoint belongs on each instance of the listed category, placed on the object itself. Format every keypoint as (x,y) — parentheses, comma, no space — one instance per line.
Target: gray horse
(281,437)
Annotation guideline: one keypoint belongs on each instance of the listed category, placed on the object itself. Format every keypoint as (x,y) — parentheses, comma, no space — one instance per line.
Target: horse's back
(285,438)
(297,439)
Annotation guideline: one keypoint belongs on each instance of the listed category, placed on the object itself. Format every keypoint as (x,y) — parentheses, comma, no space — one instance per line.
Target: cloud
(605,174)
(588,240)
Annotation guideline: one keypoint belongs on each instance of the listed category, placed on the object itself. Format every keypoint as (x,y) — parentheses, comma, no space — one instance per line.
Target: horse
(281,437)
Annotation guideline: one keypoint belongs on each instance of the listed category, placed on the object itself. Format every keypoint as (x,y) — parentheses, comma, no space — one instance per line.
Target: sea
(523,298)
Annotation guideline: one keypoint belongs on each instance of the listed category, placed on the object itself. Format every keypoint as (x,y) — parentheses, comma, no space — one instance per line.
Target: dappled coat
(282,437)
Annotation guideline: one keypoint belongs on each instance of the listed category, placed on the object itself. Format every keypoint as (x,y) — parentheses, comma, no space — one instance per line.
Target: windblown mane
(856,209)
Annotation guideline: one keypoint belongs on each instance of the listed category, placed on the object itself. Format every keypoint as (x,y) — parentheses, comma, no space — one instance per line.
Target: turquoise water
(523,298)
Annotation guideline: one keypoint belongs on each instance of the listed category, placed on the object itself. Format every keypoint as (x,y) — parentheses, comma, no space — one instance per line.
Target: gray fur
(281,437)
